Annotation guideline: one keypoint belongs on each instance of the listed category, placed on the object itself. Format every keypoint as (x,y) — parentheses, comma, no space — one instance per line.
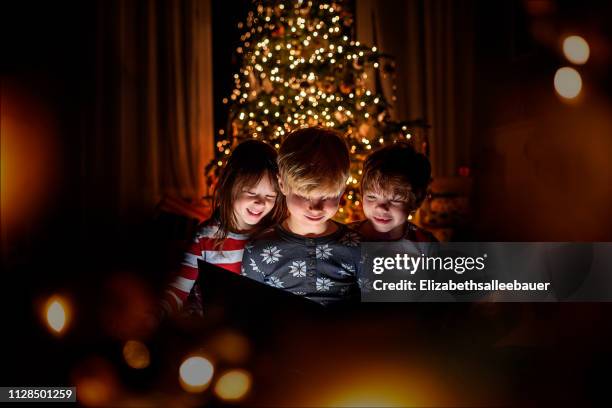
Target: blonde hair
(314,159)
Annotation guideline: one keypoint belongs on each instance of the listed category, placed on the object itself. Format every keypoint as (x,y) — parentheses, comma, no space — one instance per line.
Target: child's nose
(383,206)
(316,205)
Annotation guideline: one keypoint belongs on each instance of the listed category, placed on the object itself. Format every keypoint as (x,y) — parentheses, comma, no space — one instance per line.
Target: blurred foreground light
(136,354)
(379,385)
(372,395)
(30,159)
(195,374)
(576,49)
(57,314)
(230,346)
(568,82)
(96,382)
(233,385)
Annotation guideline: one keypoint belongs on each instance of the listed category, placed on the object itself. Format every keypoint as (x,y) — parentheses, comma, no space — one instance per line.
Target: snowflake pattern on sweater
(323,269)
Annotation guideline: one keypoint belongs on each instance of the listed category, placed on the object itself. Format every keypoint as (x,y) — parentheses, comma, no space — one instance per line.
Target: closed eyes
(394,200)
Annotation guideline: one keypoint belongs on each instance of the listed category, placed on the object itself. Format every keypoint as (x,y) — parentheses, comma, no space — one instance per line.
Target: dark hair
(249,162)
(399,168)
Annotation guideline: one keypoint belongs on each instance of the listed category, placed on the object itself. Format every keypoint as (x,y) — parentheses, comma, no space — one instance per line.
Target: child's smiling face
(253,203)
(386,211)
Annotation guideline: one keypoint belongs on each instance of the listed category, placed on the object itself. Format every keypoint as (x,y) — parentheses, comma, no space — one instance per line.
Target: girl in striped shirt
(247,200)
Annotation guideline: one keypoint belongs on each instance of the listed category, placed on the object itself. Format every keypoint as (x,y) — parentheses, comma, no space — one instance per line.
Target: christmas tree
(302,67)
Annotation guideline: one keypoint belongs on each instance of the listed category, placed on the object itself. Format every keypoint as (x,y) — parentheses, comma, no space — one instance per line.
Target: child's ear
(281,185)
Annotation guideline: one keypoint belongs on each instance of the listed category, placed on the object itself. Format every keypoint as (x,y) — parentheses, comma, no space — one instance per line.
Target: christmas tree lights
(302,67)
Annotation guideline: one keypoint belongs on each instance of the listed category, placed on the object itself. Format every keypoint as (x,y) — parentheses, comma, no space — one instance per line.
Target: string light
(301,68)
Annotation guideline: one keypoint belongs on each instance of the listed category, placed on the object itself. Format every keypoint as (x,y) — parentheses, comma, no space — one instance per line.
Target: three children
(305,252)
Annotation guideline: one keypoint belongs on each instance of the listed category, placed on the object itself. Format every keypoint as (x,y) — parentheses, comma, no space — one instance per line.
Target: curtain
(153,103)
(432,44)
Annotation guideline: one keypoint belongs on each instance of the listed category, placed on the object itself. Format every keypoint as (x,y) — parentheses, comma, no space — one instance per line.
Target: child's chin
(315,221)
(253,217)
(252,221)
(383,228)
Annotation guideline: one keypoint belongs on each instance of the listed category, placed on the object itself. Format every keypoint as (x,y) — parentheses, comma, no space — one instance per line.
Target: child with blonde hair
(308,253)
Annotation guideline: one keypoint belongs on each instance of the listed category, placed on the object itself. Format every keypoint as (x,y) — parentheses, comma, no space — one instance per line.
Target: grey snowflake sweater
(323,269)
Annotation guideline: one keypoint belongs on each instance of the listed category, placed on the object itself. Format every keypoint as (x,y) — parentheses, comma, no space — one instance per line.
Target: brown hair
(400,169)
(249,162)
(314,158)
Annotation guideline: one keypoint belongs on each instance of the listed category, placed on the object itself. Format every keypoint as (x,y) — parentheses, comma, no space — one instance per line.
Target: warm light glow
(373,393)
(230,347)
(56,314)
(30,158)
(96,382)
(233,385)
(386,391)
(56,317)
(93,392)
(576,49)
(195,374)
(568,83)
(367,399)
(136,354)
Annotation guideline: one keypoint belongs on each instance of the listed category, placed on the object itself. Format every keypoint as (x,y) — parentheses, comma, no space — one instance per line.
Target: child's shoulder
(210,225)
(268,240)
(417,234)
(267,234)
(210,229)
(355,225)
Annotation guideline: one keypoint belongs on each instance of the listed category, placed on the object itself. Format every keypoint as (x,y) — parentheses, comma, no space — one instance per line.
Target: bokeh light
(568,82)
(30,159)
(195,373)
(233,385)
(96,382)
(57,314)
(576,49)
(136,354)
(229,346)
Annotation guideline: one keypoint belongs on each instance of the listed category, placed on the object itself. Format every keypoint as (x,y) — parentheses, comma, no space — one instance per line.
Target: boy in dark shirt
(308,254)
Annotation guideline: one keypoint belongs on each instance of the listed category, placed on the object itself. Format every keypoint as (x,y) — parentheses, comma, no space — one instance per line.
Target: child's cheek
(367,208)
(401,213)
(333,205)
(239,204)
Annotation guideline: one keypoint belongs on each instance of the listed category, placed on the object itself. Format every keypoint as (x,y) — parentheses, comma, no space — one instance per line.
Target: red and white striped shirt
(202,247)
